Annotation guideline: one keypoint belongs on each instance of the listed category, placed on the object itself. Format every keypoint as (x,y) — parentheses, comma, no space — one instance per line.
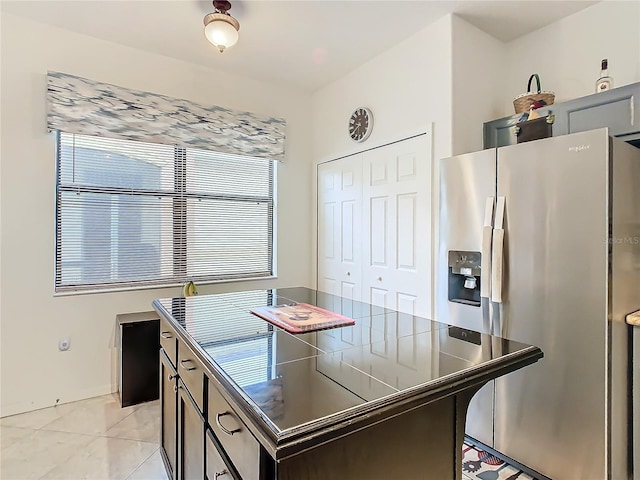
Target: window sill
(95,291)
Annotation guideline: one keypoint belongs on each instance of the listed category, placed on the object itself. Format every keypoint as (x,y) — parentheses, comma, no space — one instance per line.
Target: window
(142,214)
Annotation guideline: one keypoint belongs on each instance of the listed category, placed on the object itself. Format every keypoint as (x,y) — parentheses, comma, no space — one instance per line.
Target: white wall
(567,53)
(34,373)
(407,87)
(478,83)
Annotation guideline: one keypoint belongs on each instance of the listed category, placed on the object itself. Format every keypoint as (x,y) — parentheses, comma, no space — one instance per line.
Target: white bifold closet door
(339,229)
(374,226)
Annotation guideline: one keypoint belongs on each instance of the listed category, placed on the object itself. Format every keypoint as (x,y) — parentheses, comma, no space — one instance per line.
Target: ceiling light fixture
(220,28)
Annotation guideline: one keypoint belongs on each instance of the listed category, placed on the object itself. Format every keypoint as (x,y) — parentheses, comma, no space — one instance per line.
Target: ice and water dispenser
(464,277)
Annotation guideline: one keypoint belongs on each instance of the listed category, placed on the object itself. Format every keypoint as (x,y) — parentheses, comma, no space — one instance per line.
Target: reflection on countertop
(295,380)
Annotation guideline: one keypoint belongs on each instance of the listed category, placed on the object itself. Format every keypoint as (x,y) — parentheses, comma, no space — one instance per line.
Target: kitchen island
(384,398)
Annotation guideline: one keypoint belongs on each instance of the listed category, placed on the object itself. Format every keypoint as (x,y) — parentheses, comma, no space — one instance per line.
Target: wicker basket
(523,102)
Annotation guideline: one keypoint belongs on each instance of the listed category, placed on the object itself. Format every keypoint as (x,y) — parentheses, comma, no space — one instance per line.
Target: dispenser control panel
(465,263)
(464,277)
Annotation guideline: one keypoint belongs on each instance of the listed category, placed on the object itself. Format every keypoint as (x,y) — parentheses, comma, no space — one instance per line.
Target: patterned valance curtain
(82,106)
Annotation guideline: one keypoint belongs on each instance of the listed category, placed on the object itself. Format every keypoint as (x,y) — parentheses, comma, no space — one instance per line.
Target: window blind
(131,213)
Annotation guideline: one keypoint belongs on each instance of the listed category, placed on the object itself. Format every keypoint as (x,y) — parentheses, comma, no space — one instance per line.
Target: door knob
(348,274)
(379,279)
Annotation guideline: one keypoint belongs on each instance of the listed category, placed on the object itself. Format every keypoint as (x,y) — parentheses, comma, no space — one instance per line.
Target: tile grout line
(142,463)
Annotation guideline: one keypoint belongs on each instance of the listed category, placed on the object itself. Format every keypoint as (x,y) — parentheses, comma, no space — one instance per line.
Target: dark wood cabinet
(217,467)
(618,109)
(300,413)
(169,414)
(233,436)
(204,435)
(190,437)
(168,341)
(190,449)
(182,430)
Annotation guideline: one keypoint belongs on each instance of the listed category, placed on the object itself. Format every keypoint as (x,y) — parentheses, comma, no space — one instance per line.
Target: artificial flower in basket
(523,103)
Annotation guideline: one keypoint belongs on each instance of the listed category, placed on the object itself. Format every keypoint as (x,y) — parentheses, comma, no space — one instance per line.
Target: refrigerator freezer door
(466,182)
(552,416)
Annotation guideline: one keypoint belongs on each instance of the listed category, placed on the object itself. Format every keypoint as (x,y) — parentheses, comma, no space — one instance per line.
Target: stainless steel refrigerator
(540,242)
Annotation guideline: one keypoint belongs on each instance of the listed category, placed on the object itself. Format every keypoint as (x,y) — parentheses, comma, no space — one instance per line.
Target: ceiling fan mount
(222,6)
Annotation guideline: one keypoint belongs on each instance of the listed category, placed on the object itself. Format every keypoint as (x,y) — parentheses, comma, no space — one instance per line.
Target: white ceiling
(304,44)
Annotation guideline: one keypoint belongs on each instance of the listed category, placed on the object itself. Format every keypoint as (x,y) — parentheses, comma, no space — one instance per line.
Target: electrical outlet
(64,344)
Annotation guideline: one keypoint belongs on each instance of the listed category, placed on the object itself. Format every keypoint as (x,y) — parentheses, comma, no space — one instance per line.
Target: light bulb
(221,33)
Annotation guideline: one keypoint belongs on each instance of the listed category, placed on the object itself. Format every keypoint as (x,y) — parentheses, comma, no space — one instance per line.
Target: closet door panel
(339,227)
(397,222)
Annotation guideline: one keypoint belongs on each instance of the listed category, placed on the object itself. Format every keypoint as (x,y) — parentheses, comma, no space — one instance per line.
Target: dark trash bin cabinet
(139,357)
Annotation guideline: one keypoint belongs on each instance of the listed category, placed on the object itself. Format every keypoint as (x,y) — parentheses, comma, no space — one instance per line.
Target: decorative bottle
(605,82)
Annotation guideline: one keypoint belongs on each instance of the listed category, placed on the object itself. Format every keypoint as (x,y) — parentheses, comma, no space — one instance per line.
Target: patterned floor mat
(480,465)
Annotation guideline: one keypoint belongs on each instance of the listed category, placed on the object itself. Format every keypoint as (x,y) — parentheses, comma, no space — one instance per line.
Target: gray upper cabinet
(618,109)
(498,133)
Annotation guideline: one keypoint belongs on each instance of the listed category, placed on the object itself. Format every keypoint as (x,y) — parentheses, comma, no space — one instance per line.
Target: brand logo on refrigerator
(579,148)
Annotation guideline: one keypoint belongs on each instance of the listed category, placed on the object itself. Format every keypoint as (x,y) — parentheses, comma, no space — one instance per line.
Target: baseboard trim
(29,406)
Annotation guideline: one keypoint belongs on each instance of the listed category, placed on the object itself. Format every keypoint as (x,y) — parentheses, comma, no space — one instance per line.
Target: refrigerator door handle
(485,261)
(497,260)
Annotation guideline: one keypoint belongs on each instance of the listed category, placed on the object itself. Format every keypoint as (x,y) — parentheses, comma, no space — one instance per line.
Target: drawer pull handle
(175,389)
(188,369)
(225,430)
(222,473)
(171,377)
(166,335)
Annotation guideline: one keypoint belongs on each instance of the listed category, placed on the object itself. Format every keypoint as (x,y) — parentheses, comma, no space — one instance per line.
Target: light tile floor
(90,439)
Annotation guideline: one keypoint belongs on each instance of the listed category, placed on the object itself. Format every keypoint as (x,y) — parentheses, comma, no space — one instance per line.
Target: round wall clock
(360,124)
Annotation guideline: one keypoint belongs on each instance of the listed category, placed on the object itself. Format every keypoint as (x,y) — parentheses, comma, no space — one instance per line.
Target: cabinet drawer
(191,372)
(168,341)
(242,449)
(216,468)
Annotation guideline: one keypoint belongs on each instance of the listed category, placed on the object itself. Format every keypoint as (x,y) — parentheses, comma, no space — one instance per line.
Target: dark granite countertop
(293,387)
